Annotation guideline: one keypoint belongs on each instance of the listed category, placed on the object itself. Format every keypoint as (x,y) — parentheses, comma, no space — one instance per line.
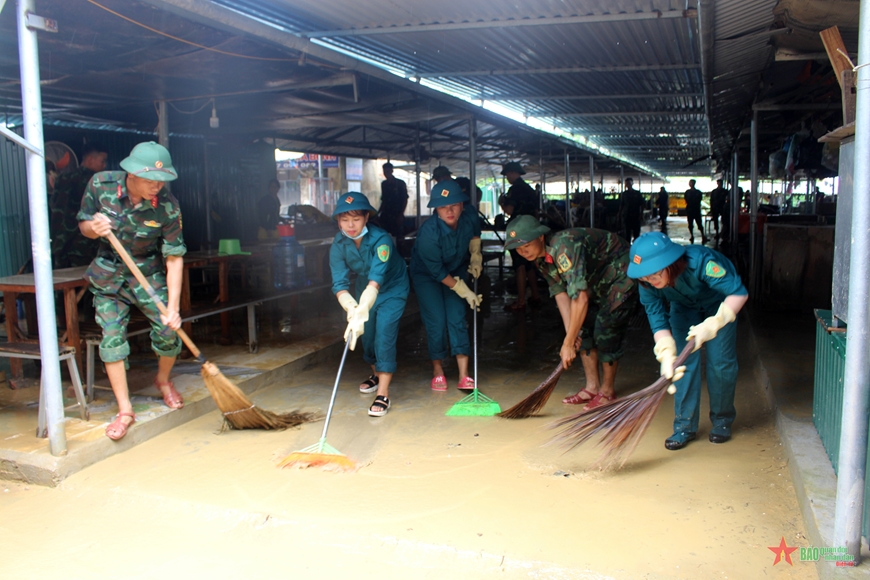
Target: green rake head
(474,405)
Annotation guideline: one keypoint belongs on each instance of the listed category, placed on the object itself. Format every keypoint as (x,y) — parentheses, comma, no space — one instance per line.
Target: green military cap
(523,230)
(446,193)
(150,161)
(353,201)
(513,166)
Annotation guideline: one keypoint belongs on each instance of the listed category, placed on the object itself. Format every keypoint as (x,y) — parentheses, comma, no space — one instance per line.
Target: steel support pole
(542,180)
(472,169)
(31,104)
(162,124)
(591,192)
(735,202)
(417,172)
(568,190)
(208,234)
(849,510)
(621,179)
(753,205)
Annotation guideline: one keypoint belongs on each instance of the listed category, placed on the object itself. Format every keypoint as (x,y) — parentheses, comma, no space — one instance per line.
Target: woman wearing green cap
(585,269)
(447,247)
(381,287)
(705,294)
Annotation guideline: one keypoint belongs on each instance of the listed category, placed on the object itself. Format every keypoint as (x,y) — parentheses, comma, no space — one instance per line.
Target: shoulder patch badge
(714,270)
(563,263)
(152,224)
(384,252)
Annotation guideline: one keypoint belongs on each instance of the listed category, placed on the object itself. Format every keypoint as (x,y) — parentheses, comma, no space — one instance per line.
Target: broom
(239,412)
(322,454)
(476,404)
(620,424)
(536,399)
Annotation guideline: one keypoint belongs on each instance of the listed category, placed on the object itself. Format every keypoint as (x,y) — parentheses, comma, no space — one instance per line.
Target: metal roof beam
(450,26)
(627,113)
(589,97)
(797,107)
(561,70)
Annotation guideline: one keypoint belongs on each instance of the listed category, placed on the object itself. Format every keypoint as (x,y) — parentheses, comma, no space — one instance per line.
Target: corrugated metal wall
(14,213)
(239,171)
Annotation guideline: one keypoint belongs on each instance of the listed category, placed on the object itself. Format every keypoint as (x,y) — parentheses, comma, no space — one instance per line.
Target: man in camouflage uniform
(586,271)
(146,219)
(69,248)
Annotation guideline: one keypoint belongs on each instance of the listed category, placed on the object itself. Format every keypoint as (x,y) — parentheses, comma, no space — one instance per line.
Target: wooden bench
(93,337)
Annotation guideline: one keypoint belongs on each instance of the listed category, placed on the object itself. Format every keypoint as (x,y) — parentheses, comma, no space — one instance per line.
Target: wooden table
(67,280)
(204,258)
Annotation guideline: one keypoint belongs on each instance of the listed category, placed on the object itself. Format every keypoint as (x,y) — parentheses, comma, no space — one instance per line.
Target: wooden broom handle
(144,282)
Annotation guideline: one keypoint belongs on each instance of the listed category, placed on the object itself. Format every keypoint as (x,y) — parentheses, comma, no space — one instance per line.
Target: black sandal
(372,383)
(379,407)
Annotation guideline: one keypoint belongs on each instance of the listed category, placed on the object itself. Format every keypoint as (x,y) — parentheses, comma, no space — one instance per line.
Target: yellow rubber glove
(466,294)
(348,303)
(708,329)
(475,266)
(356,324)
(666,353)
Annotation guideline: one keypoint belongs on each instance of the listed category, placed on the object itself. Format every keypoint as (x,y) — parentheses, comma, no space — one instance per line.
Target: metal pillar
(472,167)
(541,179)
(568,190)
(31,104)
(591,192)
(208,234)
(621,179)
(162,124)
(753,205)
(417,171)
(849,510)
(735,202)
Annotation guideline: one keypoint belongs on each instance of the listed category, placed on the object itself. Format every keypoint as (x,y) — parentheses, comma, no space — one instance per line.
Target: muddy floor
(433,496)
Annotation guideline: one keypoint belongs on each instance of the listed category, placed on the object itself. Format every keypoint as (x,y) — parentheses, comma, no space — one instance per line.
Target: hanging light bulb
(214,122)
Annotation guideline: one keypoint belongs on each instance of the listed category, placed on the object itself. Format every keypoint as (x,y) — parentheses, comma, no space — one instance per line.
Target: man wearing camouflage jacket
(586,271)
(146,219)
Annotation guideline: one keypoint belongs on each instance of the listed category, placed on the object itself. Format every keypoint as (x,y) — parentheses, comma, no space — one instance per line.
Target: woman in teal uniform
(381,286)
(705,294)
(447,247)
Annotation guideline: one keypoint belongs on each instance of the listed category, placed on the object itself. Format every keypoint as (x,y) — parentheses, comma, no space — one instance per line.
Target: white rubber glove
(356,324)
(666,353)
(348,303)
(708,329)
(466,294)
(475,266)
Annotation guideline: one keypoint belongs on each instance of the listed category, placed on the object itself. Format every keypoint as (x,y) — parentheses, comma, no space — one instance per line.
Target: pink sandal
(578,399)
(466,384)
(171,397)
(118,427)
(599,400)
(439,383)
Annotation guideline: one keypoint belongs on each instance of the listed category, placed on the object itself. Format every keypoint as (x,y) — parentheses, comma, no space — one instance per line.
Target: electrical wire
(191,112)
(154,30)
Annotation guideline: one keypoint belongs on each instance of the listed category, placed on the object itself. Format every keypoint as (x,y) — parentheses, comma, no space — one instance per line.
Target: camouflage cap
(523,230)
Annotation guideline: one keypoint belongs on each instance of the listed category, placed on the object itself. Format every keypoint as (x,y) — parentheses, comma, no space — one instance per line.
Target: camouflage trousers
(604,329)
(113,315)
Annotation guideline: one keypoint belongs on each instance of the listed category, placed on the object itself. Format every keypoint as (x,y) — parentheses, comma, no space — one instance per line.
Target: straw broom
(239,412)
(536,399)
(620,424)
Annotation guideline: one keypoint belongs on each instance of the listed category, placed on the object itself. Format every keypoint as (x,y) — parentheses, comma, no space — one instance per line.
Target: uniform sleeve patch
(384,252)
(152,224)
(563,263)
(714,270)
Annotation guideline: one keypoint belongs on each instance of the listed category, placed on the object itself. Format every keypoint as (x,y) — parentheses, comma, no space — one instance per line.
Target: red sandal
(599,400)
(118,427)
(578,399)
(171,397)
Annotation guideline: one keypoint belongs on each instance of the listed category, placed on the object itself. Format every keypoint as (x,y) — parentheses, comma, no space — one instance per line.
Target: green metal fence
(828,396)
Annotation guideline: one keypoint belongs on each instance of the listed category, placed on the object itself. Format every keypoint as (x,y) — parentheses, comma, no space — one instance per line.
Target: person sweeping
(146,219)
(586,271)
(447,248)
(381,289)
(705,294)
